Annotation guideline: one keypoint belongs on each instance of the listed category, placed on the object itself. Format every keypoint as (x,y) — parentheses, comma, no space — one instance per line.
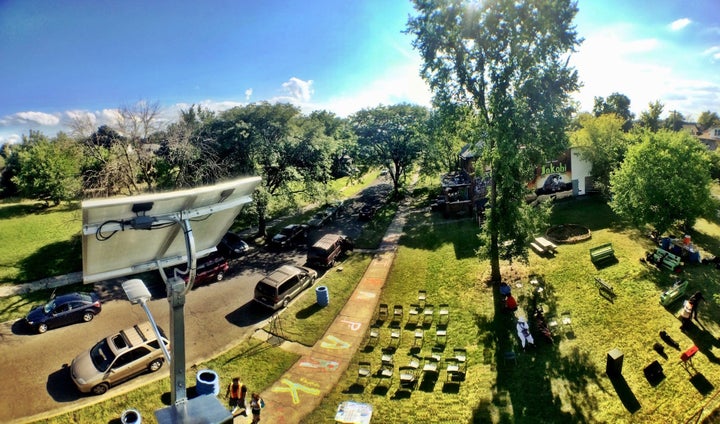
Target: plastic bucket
(686,240)
(131,416)
(323,296)
(207,383)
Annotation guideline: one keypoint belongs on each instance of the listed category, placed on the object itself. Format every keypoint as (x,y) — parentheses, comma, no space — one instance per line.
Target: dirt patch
(568,233)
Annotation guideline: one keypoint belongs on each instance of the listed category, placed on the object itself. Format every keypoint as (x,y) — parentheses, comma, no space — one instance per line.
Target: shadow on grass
(308,311)
(703,386)
(57,258)
(355,389)
(401,394)
(625,393)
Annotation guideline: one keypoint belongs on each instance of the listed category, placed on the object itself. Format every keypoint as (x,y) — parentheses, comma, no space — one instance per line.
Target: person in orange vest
(236,393)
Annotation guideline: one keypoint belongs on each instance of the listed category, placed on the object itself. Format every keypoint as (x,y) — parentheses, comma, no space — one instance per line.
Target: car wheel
(285,303)
(42,328)
(220,276)
(155,365)
(88,316)
(100,389)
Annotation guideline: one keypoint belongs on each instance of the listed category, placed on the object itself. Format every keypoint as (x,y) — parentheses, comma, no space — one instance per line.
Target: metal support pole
(176,296)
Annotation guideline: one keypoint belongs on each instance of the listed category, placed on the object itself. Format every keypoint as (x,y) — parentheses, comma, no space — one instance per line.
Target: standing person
(686,314)
(256,404)
(233,391)
(695,300)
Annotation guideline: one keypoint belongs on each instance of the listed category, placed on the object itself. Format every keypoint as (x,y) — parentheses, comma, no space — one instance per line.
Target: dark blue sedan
(63,310)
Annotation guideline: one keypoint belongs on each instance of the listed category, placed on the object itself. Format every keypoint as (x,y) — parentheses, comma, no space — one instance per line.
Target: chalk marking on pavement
(334,343)
(293,389)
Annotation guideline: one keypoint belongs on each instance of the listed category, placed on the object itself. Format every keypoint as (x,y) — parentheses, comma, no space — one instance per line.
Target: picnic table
(545,245)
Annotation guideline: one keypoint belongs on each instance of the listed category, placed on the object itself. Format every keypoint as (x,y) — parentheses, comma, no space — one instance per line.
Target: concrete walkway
(301,389)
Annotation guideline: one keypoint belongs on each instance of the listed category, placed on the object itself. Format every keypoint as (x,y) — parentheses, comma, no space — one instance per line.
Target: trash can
(131,416)
(614,362)
(207,382)
(323,297)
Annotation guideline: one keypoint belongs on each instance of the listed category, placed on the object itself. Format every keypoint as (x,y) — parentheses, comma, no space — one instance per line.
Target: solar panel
(129,235)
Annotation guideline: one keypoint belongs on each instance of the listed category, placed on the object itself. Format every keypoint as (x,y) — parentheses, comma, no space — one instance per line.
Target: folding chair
(566,320)
(408,377)
(419,336)
(452,368)
(386,374)
(441,335)
(374,336)
(395,337)
(552,323)
(383,312)
(431,364)
(364,370)
(387,358)
(414,313)
(422,297)
(460,354)
(398,314)
(428,313)
(444,313)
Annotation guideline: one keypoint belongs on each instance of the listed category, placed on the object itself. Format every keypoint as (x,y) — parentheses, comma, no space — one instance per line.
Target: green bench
(601,253)
(663,258)
(604,286)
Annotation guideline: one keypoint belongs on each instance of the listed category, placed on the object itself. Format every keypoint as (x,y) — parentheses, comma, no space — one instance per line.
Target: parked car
(320,218)
(325,251)
(367,212)
(208,269)
(63,310)
(290,235)
(117,358)
(232,246)
(279,287)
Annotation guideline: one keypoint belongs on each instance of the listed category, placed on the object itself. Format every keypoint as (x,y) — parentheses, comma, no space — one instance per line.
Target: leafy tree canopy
(507,60)
(708,119)
(618,104)
(650,119)
(391,136)
(664,181)
(604,145)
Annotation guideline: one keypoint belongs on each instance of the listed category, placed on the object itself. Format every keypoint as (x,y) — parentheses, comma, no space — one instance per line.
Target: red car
(210,268)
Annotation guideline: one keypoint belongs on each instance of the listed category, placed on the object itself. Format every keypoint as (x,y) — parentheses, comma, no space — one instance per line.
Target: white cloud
(248,94)
(679,24)
(32,118)
(299,90)
(713,52)
(10,138)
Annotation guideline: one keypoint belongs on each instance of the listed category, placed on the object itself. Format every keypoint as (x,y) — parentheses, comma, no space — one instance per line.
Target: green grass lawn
(37,242)
(564,382)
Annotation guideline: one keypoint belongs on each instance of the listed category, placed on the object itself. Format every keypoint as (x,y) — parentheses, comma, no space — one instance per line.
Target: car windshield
(102,356)
(49,306)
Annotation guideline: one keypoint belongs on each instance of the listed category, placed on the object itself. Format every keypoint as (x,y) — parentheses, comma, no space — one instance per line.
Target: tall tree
(648,189)
(618,104)
(49,169)
(450,127)
(391,136)
(508,60)
(604,145)
(708,119)
(675,121)
(650,119)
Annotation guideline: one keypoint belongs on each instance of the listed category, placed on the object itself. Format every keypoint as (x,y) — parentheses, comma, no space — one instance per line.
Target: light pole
(138,293)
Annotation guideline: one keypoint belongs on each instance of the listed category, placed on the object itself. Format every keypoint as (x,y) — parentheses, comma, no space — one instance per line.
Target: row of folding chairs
(417,313)
(410,373)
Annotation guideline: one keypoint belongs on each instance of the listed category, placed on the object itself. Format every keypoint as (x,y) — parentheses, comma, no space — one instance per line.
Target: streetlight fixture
(138,293)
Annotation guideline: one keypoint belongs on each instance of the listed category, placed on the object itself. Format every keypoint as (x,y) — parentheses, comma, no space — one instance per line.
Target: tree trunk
(495,276)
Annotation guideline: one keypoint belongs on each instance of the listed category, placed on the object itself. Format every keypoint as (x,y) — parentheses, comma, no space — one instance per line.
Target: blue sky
(62,59)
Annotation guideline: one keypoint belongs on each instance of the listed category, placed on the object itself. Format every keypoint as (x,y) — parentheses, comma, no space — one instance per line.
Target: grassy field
(37,242)
(563,382)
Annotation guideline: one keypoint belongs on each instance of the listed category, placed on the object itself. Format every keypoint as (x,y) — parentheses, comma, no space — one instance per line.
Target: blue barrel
(665,243)
(323,296)
(207,383)
(131,416)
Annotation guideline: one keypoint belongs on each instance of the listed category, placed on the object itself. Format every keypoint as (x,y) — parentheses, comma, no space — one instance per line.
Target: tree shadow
(58,258)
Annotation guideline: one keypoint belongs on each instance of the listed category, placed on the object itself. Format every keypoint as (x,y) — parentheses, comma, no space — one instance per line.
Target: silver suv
(117,358)
(282,285)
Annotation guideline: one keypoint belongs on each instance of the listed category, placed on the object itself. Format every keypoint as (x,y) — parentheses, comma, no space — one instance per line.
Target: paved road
(35,367)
